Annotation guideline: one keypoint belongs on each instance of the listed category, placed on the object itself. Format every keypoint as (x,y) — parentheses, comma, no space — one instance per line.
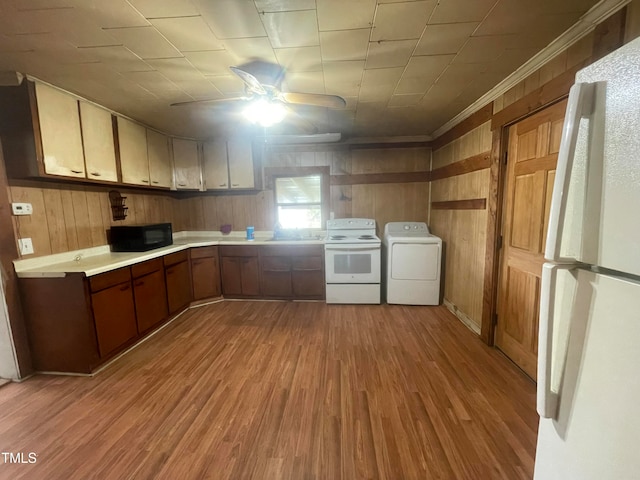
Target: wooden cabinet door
(60,132)
(160,171)
(178,280)
(206,277)
(231,275)
(533,152)
(308,277)
(115,317)
(215,166)
(97,140)
(150,299)
(132,139)
(186,164)
(241,174)
(250,276)
(276,277)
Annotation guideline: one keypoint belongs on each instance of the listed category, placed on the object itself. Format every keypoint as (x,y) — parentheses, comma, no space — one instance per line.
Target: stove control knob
(407,227)
(415,227)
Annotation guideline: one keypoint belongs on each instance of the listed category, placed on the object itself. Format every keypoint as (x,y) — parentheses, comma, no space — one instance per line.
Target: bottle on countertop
(250,233)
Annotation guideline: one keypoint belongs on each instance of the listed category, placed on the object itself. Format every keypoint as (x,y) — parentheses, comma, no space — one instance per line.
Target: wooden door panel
(532,157)
(150,296)
(231,277)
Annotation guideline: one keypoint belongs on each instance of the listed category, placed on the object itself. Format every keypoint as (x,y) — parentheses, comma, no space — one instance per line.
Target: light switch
(21,208)
(26,246)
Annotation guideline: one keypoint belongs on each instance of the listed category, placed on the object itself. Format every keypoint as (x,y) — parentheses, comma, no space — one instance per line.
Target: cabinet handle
(139,284)
(235,184)
(144,181)
(124,288)
(77,171)
(155,182)
(96,174)
(222,185)
(182,184)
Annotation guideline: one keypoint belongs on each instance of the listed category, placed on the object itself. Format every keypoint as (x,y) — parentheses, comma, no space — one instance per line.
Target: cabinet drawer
(174,258)
(144,268)
(238,251)
(204,252)
(307,263)
(108,279)
(306,250)
(276,264)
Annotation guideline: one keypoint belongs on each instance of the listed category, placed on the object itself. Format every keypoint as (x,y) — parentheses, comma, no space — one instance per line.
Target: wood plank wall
(463,231)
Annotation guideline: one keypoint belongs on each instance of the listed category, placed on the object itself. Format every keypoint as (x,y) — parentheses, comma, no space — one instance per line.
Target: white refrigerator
(589,330)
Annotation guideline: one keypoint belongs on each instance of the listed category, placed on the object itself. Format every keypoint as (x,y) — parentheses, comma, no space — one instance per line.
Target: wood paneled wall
(462,231)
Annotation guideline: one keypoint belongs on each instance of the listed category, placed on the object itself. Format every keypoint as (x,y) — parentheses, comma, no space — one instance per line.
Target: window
(299,201)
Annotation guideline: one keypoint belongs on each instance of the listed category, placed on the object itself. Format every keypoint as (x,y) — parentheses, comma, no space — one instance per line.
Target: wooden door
(532,155)
(250,276)
(115,317)
(178,278)
(187,164)
(160,171)
(215,166)
(97,140)
(231,276)
(132,139)
(276,276)
(149,292)
(206,277)
(241,173)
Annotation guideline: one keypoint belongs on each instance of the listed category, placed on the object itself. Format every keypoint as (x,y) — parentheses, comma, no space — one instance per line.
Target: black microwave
(140,238)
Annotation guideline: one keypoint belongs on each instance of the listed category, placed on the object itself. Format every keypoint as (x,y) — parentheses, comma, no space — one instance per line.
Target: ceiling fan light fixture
(264,112)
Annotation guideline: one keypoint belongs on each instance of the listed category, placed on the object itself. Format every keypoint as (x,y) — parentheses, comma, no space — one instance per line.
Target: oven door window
(352,263)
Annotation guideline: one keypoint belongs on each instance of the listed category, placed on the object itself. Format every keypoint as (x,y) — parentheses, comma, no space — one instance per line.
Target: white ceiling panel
(421,72)
(119,58)
(405,100)
(455,11)
(483,49)
(215,62)
(343,78)
(284,5)
(110,14)
(245,49)
(188,34)
(301,59)
(446,38)
(228,85)
(393,53)
(165,8)
(401,21)
(345,15)
(292,29)
(304,82)
(232,18)
(146,42)
(344,44)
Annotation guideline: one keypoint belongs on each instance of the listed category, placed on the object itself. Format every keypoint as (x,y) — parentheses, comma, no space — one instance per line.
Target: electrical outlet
(21,208)
(26,246)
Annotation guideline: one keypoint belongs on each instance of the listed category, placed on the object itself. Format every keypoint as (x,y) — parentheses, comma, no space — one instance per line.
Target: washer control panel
(406,227)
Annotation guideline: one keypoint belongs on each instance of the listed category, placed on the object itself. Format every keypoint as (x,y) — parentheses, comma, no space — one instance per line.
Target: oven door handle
(363,247)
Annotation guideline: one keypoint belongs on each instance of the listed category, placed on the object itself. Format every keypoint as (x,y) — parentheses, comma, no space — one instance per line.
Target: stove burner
(366,237)
(337,237)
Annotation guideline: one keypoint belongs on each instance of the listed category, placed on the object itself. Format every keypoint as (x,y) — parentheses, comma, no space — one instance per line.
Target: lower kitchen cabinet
(239,271)
(114,315)
(150,294)
(292,272)
(205,273)
(178,278)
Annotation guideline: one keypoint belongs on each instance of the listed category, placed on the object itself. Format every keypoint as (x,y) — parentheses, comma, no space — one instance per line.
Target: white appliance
(413,264)
(589,333)
(352,261)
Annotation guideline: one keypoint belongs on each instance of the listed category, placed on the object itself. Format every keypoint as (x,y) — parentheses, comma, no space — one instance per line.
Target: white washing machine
(412,264)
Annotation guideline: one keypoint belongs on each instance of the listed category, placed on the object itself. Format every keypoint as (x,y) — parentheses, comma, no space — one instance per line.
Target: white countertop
(96,260)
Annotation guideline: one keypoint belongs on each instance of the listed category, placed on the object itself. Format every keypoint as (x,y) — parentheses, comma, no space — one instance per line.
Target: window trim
(271,173)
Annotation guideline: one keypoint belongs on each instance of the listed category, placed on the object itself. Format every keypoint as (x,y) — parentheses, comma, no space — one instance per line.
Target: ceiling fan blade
(252,82)
(317,99)
(219,101)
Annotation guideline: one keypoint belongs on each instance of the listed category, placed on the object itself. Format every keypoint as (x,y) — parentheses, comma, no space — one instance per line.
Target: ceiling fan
(264,100)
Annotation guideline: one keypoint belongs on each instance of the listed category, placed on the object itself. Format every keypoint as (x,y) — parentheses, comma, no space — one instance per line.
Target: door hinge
(499,242)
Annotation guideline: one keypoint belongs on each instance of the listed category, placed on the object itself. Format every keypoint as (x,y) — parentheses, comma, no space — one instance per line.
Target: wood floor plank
(282,390)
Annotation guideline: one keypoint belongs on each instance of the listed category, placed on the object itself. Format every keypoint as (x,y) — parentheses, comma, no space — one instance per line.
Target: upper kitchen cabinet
(229,165)
(186,164)
(132,139)
(160,171)
(97,140)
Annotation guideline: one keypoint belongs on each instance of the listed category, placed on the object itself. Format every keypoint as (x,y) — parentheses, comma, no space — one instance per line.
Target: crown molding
(585,25)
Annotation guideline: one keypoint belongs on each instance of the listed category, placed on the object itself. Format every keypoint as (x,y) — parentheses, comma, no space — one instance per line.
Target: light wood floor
(271,390)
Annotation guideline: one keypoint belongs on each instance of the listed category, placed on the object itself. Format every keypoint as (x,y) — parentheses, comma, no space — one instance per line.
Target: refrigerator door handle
(579,105)
(547,400)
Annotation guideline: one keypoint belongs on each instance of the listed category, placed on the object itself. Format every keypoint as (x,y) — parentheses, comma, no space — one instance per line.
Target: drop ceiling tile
(292,29)
(302,59)
(229,85)
(393,53)
(421,73)
(511,59)
(461,74)
(153,81)
(165,8)
(343,78)
(284,5)
(405,100)
(304,82)
(110,14)
(456,11)
(21,5)
(345,15)
(246,49)
(215,62)
(50,44)
(444,38)
(401,21)
(232,18)
(13,43)
(188,34)
(508,16)
(146,42)
(344,44)
(483,49)
(378,85)
(119,58)
(199,88)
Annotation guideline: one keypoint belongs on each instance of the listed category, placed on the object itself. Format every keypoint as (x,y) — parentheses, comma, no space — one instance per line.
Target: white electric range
(352,261)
